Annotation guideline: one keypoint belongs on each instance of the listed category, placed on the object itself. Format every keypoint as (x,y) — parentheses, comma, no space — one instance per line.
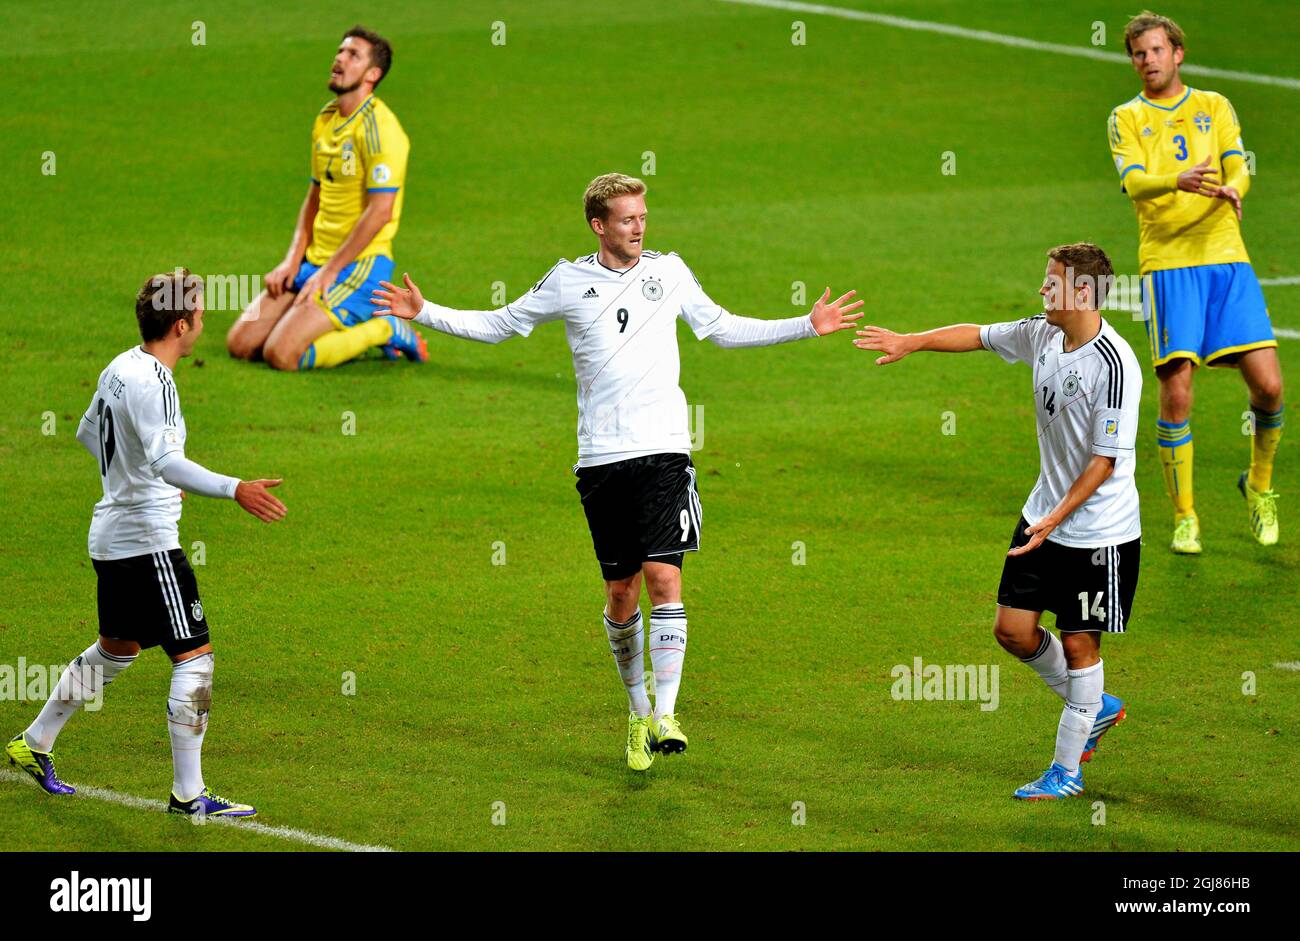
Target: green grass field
(478,683)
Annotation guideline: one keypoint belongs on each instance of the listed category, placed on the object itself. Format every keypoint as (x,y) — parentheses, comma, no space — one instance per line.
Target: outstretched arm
(251,495)
(732,331)
(1085,485)
(486,326)
(959,338)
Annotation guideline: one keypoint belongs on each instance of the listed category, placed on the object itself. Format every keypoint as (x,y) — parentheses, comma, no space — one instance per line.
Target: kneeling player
(147,593)
(316,311)
(1075,549)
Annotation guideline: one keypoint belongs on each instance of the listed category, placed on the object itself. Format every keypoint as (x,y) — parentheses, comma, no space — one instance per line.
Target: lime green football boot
(40,765)
(1262,507)
(1187,535)
(639,755)
(667,736)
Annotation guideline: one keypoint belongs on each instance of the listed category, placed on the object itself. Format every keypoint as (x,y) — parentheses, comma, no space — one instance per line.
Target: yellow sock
(339,346)
(1175,439)
(1263,446)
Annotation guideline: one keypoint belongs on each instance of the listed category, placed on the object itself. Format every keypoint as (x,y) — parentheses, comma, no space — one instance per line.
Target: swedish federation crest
(1202,121)
(652,289)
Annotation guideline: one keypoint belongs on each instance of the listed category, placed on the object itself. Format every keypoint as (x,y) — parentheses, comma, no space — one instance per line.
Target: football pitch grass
(478,683)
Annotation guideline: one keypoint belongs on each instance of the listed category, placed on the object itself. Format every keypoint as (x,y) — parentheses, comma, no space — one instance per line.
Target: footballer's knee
(280,356)
(1266,392)
(238,342)
(1015,635)
(1082,648)
(622,596)
(1175,390)
(663,583)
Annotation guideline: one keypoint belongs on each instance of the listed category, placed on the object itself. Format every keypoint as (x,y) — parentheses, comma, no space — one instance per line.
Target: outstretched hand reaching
(828,318)
(404,302)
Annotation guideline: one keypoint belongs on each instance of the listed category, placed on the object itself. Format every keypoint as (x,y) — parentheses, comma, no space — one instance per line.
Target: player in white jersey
(147,594)
(620,307)
(1075,550)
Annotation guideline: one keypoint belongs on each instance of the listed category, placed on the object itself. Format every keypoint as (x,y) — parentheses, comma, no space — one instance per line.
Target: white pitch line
(1288,665)
(1003,39)
(1273,282)
(142,803)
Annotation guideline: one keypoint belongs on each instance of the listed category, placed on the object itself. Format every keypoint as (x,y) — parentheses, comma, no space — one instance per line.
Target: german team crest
(652,290)
(1202,121)
(196,611)
(1071,385)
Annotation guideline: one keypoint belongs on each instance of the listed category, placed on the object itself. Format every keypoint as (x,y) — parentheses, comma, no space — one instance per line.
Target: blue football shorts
(348,302)
(1209,314)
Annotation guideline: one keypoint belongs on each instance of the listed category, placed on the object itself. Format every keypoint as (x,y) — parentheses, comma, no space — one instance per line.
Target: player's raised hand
(837,315)
(894,345)
(253,497)
(1231,195)
(404,302)
(1037,534)
(1201,179)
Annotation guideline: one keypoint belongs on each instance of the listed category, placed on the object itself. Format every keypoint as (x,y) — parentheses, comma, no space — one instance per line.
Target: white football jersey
(622,329)
(137,417)
(1086,402)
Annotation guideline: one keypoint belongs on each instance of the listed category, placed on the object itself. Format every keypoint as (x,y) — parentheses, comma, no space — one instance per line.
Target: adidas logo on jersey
(591,292)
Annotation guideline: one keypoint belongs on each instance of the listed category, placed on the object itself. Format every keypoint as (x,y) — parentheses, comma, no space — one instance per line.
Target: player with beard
(315,311)
(1181,160)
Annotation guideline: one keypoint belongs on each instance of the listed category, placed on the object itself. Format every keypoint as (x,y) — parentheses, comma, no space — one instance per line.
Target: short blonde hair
(1147,20)
(595,202)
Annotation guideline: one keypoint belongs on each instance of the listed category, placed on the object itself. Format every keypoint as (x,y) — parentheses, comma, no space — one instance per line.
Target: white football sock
(187,721)
(83,681)
(627,644)
(1079,714)
(1049,663)
(667,650)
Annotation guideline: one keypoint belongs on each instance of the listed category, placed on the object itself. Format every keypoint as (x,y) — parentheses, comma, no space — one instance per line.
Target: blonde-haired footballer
(1076,548)
(1180,158)
(316,311)
(620,306)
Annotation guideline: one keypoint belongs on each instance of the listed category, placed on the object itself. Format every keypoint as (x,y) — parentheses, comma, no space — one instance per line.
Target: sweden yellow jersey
(1163,138)
(351,157)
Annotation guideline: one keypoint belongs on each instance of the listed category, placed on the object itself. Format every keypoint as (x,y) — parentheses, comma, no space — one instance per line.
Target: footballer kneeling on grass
(1075,549)
(148,596)
(620,307)
(315,312)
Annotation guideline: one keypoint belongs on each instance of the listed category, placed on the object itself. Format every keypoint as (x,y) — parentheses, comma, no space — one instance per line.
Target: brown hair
(381,53)
(165,299)
(1084,260)
(1147,20)
(595,202)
